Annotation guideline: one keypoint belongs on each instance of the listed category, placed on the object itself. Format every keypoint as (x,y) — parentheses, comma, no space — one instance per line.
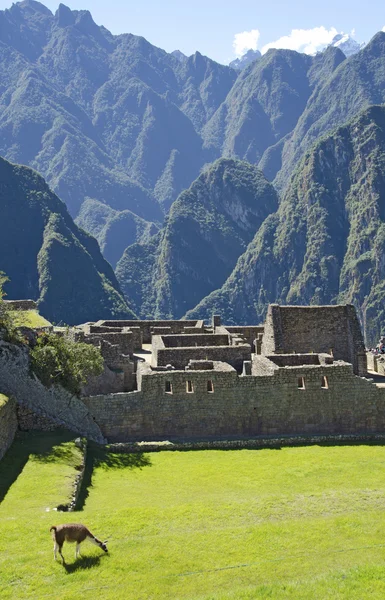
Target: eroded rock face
(55,403)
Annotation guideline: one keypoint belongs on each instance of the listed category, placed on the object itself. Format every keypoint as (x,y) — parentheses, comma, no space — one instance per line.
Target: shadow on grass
(83,563)
(44,447)
(98,456)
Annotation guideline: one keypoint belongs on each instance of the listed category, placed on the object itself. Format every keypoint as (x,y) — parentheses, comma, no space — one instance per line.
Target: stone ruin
(303,372)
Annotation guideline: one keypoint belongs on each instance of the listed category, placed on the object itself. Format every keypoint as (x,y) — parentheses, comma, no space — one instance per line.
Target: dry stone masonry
(302,373)
(8,423)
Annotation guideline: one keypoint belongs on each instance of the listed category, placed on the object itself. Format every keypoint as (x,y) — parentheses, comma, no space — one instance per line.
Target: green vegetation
(3,400)
(296,523)
(56,359)
(7,325)
(324,244)
(208,228)
(28,318)
(48,258)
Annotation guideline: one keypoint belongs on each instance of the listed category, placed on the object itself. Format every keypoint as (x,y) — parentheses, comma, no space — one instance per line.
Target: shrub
(8,330)
(57,359)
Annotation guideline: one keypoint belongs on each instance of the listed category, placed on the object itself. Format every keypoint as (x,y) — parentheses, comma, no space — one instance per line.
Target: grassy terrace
(298,523)
(28,318)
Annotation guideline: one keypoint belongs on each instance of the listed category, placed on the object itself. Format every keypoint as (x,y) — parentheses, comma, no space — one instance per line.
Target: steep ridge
(48,258)
(326,242)
(114,230)
(266,102)
(356,84)
(208,228)
(107,117)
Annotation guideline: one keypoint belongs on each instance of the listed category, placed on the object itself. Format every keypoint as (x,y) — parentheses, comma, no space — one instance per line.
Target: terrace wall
(8,423)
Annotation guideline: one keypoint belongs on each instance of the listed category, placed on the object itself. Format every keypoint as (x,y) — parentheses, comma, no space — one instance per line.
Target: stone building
(303,372)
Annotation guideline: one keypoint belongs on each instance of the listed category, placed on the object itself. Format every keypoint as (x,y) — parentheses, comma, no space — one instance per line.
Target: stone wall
(248,332)
(21,304)
(29,420)
(8,423)
(319,329)
(195,340)
(180,357)
(55,403)
(171,404)
(146,327)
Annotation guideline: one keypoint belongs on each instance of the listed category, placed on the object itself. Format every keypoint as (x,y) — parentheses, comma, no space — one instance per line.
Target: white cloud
(383,29)
(304,40)
(247,40)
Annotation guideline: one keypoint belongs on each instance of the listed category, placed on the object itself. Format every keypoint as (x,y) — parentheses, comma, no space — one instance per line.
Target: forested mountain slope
(208,228)
(326,242)
(111,118)
(48,258)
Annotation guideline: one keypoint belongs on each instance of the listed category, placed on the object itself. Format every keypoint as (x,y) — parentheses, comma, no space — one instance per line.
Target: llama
(73,532)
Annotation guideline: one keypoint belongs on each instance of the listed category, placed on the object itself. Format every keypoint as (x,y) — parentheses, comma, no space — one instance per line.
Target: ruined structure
(302,372)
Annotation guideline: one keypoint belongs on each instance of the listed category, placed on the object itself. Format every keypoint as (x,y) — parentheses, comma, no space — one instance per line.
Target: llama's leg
(55,549)
(61,554)
(77,551)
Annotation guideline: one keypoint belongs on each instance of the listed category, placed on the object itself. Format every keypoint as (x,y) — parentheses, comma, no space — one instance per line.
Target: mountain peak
(241,63)
(64,16)
(346,43)
(32,6)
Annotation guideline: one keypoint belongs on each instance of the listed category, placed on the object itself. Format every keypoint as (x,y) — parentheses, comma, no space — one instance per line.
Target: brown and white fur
(73,533)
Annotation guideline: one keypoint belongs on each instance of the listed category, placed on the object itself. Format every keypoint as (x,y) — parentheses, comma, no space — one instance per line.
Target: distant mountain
(106,117)
(179,55)
(266,102)
(48,258)
(355,84)
(241,63)
(326,242)
(347,44)
(208,228)
(114,230)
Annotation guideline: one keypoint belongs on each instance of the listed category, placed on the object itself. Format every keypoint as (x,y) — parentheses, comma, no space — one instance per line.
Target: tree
(8,330)
(56,359)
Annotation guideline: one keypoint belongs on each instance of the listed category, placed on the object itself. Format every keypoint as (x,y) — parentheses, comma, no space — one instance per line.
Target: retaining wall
(54,403)
(8,423)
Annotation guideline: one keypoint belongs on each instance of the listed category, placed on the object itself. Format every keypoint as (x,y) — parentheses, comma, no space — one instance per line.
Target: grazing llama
(74,532)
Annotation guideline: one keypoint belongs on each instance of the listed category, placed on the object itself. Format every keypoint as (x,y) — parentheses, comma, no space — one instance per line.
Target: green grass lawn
(29,318)
(298,523)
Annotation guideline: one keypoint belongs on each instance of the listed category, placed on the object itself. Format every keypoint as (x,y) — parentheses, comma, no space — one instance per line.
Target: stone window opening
(324,383)
(210,386)
(189,387)
(168,387)
(301,383)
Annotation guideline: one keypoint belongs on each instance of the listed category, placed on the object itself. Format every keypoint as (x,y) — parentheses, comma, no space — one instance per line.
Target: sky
(225,29)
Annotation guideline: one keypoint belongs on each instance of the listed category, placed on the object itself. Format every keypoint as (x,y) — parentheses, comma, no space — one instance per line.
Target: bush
(8,330)
(57,359)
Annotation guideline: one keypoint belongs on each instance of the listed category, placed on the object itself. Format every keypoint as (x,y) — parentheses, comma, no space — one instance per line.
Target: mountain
(48,258)
(179,55)
(209,226)
(355,84)
(326,242)
(347,44)
(266,102)
(114,230)
(110,118)
(241,63)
